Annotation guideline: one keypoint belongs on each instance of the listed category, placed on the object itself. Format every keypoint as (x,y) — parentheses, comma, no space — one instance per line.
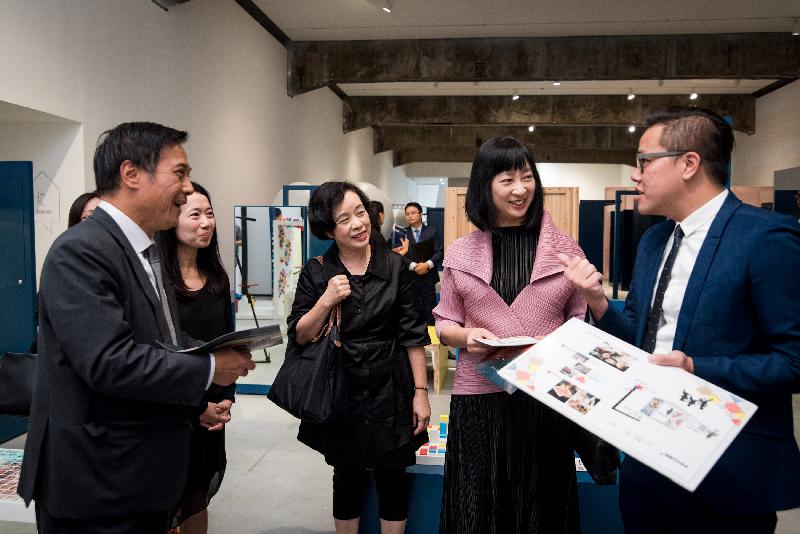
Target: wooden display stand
(439,357)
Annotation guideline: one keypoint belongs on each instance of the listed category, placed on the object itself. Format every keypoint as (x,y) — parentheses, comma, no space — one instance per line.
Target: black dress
(203,316)
(380,319)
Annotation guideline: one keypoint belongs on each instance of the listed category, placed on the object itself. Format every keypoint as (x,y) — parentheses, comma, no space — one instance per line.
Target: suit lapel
(700,271)
(651,253)
(135,264)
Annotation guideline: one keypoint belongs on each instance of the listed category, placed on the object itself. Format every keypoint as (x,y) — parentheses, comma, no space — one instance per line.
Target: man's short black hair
(324,200)
(139,142)
(497,155)
(699,130)
(413,205)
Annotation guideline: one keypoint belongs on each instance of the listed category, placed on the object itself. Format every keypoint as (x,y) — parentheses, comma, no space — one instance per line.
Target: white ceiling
(434,19)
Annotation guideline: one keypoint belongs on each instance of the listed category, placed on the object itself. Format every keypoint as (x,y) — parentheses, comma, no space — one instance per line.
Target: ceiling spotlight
(631,129)
(796,27)
(531,128)
(556,83)
(515,96)
(387,6)
(693,96)
(631,96)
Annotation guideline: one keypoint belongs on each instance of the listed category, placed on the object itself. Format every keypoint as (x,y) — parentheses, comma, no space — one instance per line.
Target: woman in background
(509,467)
(82,207)
(382,334)
(191,263)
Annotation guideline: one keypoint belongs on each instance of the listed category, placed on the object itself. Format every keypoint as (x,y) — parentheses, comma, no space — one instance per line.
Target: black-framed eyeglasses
(642,158)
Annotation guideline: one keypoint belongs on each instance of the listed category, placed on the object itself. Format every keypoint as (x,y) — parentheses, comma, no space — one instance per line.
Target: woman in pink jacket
(509,465)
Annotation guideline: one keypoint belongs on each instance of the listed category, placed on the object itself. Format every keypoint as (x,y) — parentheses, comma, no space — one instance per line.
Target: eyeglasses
(642,158)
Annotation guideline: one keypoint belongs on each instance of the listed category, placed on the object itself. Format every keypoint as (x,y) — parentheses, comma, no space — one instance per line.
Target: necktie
(151,253)
(654,317)
(416,235)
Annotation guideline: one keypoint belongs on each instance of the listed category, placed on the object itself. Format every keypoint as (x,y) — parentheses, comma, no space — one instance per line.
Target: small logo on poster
(47,201)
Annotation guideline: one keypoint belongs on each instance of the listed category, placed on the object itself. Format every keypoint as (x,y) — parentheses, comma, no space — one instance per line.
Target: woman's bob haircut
(495,156)
(324,200)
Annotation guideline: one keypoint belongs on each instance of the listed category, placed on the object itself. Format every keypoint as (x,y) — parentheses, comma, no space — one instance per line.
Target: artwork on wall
(287,243)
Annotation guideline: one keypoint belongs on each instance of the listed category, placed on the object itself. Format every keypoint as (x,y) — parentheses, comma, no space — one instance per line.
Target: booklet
(516,341)
(249,340)
(673,421)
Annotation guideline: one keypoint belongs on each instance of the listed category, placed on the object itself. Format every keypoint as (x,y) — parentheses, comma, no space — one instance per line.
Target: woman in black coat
(382,335)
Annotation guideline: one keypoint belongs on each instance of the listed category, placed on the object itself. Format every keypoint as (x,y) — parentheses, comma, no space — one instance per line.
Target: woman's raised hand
(338,289)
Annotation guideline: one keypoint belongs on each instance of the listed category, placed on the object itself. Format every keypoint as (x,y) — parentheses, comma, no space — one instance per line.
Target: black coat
(380,318)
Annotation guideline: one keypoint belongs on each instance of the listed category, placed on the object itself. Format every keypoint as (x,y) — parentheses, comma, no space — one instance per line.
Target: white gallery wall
(776,143)
(205,66)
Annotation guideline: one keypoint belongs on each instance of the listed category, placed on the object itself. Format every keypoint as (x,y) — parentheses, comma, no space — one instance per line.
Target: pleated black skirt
(509,468)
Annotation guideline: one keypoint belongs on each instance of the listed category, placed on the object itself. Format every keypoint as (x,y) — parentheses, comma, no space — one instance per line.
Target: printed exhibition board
(673,421)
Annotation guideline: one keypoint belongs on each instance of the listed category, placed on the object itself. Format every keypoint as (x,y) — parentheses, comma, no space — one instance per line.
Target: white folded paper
(516,341)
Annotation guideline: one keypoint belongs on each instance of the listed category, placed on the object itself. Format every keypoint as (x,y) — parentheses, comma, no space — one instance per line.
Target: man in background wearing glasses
(713,292)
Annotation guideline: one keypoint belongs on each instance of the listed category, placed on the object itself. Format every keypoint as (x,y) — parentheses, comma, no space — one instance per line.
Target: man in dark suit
(713,293)
(108,440)
(427,268)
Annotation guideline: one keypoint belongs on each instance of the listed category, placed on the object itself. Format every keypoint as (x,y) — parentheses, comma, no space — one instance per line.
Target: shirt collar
(703,216)
(132,231)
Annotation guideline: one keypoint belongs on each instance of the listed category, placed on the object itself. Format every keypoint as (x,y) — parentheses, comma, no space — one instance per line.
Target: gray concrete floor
(276,485)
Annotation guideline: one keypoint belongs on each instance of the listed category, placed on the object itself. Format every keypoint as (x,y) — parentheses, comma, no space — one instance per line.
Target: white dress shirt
(140,242)
(695,228)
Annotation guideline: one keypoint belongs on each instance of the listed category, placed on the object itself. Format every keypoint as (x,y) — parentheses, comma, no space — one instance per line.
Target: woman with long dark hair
(191,263)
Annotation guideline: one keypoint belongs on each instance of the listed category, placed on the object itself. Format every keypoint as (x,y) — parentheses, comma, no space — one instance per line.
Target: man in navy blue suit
(714,292)
(425,268)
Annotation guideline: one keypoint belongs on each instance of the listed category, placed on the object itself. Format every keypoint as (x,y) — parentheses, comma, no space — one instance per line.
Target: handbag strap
(334,319)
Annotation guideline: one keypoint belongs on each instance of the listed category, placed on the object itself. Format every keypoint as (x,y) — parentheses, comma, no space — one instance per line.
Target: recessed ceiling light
(556,83)
(693,96)
(631,95)
(387,6)
(515,96)
(531,128)
(796,27)
(631,129)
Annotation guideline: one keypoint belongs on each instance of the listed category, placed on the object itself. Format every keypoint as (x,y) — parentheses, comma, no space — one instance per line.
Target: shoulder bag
(310,384)
(17,375)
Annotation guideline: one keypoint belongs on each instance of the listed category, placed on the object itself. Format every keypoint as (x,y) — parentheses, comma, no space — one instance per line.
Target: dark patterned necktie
(151,253)
(654,317)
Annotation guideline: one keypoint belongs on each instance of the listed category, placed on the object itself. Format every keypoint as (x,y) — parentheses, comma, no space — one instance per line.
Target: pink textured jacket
(468,300)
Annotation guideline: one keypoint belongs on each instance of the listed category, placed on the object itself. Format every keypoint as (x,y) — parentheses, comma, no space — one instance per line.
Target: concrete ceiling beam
(402,156)
(575,110)
(315,64)
(597,138)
